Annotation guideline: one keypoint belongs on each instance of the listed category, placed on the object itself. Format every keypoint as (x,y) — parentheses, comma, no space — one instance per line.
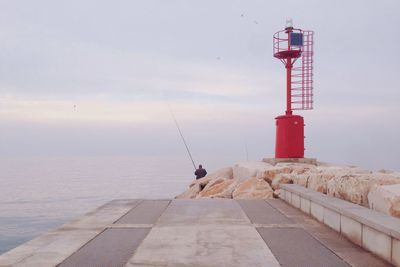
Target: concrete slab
(305,205)
(203,245)
(295,247)
(344,248)
(203,211)
(112,248)
(282,194)
(317,211)
(396,252)
(359,257)
(274,161)
(147,212)
(260,212)
(284,208)
(295,200)
(49,249)
(351,229)
(332,219)
(341,246)
(288,197)
(377,242)
(104,215)
(379,221)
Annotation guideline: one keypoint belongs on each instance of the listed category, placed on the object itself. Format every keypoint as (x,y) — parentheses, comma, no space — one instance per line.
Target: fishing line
(183,138)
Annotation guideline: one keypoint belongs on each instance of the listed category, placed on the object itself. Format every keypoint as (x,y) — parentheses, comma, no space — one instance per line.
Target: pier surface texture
(199,232)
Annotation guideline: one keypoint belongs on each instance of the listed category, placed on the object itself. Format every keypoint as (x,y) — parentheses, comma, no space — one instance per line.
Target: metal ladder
(302,76)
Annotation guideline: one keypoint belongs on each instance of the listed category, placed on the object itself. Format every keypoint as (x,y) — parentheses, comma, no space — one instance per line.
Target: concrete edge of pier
(274,161)
(376,232)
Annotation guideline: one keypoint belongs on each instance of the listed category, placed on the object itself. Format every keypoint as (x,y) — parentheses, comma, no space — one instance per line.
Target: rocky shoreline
(379,190)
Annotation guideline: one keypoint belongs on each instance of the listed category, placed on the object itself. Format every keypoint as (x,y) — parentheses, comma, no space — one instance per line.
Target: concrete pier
(199,232)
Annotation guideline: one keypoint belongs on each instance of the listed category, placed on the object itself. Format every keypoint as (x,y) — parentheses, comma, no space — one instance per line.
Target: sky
(97,78)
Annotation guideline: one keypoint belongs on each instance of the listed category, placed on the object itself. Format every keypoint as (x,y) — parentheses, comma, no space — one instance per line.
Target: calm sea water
(39,194)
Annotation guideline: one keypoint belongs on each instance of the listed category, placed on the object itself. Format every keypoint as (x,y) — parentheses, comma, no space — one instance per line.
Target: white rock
(245,170)
(385,198)
(319,181)
(226,173)
(253,188)
(219,188)
(269,174)
(355,187)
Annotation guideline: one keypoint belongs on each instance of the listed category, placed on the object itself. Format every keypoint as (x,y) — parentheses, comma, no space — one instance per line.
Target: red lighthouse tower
(294,48)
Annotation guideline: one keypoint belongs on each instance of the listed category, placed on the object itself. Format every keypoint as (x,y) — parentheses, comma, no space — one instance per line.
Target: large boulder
(354,187)
(219,188)
(351,187)
(202,182)
(226,173)
(385,198)
(269,174)
(319,181)
(245,170)
(253,188)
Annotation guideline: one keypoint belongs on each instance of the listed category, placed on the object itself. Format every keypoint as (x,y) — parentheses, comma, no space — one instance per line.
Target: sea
(42,193)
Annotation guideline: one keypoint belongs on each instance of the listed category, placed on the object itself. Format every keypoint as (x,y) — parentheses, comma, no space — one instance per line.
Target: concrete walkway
(201,232)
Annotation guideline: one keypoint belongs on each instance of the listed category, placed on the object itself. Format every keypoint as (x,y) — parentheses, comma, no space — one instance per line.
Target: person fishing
(200,172)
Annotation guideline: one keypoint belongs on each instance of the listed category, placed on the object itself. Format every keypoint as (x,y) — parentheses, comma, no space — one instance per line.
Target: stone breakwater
(379,190)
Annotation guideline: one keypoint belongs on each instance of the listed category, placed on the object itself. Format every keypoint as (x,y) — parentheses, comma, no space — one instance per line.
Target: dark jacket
(200,173)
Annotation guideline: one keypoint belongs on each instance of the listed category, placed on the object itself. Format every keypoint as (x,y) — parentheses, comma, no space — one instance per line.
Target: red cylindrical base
(289,136)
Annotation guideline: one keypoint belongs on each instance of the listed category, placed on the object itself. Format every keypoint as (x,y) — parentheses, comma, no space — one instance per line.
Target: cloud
(104,111)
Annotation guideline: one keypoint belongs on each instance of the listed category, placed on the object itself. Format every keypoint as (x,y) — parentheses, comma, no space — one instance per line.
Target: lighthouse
(294,48)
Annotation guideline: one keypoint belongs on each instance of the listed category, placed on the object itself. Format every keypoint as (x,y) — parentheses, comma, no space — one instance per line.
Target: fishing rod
(183,138)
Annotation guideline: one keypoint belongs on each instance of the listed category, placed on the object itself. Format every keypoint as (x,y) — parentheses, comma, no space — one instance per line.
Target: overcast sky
(96,77)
